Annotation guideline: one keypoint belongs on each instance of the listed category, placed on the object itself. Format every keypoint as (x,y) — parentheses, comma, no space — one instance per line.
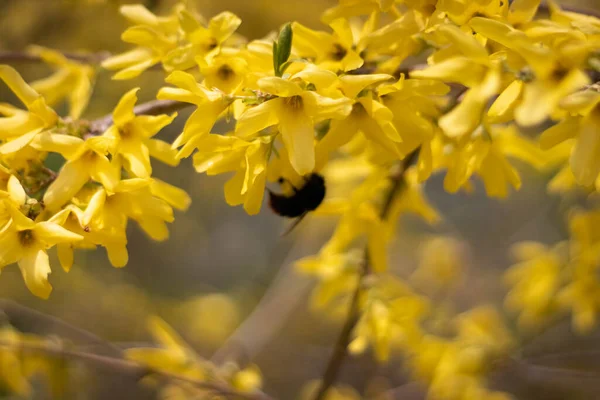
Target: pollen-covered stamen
(294,103)
(339,52)
(26,237)
(225,72)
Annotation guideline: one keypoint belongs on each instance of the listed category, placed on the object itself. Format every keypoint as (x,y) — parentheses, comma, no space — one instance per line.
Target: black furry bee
(304,199)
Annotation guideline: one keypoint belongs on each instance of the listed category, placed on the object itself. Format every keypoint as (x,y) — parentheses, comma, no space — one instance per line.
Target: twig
(154,107)
(341,345)
(130,367)
(19,315)
(23,56)
(545,8)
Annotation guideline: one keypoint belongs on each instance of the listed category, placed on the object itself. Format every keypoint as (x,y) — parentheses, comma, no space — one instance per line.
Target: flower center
(558,74)
(358,110)
(225,72)
(26,237)
(295,103)
(338,52)
(126,131)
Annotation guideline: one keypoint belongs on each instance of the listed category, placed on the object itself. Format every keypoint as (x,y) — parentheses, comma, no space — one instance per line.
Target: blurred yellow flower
(72,81)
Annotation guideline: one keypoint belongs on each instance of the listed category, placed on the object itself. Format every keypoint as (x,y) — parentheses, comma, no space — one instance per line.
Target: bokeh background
(219,262)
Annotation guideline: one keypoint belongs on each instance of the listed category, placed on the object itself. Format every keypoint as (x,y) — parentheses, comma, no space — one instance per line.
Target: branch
(154,107)
(23,56)
(129,367)
(545,8)
(341,345)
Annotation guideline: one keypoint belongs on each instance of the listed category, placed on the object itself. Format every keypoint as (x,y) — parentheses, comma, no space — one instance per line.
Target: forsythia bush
(387,94)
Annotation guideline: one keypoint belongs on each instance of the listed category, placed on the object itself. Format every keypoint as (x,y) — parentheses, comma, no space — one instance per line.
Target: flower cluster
(104,182)
(389,94)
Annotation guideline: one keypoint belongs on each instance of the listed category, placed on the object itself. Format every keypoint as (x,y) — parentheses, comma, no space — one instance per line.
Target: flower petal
(35,268)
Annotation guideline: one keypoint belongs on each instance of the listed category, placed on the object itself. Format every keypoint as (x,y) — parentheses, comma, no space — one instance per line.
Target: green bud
(282,49)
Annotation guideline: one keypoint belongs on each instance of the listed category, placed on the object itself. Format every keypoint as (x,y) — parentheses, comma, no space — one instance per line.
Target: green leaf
(282,49)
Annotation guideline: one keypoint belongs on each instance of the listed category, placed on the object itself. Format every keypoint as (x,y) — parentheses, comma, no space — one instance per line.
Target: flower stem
(341,345)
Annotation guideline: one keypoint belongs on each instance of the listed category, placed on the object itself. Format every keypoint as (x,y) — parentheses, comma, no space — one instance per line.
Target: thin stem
(129,367)
(341,345)
(23,56)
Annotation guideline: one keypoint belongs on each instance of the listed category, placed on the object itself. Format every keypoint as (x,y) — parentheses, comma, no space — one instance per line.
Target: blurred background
(219,262)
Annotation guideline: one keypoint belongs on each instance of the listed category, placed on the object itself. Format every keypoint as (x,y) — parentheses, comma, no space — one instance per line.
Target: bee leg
(295,223)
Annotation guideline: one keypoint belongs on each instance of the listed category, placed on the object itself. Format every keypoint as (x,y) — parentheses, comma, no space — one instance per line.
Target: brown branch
(341,345)
(24,57)
(545,8)
(154,107)
(129,367)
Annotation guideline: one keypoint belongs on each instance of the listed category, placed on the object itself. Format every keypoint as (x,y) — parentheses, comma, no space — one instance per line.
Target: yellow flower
(486,157)
(73,219)
(25,242)
(294,111)
(547,75)
(461,11)
(391,313)
(154,36)
(72,80)
(413,104)
(203,42)
(333,51)
(534,281)
(174,356)
(130,136)
(337,273)
(18,128)
(369,116)
(134,199)
(88,162)
(209,107)
(582,296)
(471,66)
(226,72)
(440,264)
(583,124)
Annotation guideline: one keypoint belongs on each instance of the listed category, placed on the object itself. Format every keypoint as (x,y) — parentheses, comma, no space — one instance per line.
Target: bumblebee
(303,200)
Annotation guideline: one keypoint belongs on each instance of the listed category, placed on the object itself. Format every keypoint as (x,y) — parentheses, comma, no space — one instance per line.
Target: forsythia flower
(583,124)
(130,137)
(294,111)
(534,282)
(72,80)
(18,128)
(25,241)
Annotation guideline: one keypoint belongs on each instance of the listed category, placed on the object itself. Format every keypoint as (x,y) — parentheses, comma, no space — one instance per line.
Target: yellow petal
(175,196)
(123,112)
(352,85)
(506,102)
(51,233)
(16,191)
(69,181)
(560,132)
(257,118)
(117,254)
(279,86)
(457,69)
(297,133)
(465,42)
(585,158)
(35,268)
(18,86)
(18,143)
